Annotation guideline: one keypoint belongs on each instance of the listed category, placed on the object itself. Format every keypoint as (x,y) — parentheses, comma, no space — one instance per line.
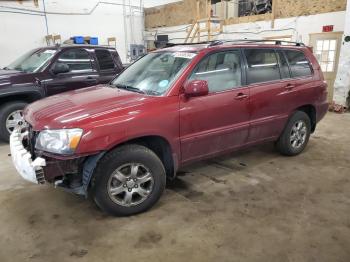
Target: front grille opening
(31,141)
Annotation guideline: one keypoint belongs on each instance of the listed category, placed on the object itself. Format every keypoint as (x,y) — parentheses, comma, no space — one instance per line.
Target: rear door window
(104,59)
(298,63)
(262,65)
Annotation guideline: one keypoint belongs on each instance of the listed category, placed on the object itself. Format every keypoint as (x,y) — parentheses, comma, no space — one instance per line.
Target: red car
(120,142)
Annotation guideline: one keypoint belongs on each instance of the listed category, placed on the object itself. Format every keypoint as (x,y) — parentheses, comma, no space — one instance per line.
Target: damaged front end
(72,173)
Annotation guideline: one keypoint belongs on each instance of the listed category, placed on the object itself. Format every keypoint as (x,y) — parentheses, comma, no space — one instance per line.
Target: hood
(6,76)
(80,107)
(7,73)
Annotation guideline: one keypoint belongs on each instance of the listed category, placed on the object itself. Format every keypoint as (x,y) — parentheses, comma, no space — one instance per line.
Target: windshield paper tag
(50,51)
(184,55)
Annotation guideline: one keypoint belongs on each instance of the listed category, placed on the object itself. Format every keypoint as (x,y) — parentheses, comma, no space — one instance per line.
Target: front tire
(296,135)
(128,180)
(11,115)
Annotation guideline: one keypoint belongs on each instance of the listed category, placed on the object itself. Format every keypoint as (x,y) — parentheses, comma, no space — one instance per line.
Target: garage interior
(250,205)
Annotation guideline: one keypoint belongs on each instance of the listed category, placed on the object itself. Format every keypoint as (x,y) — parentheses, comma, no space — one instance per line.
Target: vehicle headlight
(61,141)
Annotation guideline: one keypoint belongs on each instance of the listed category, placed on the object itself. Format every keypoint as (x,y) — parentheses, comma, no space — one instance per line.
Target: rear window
(262,65)
(299,65)
(104,58)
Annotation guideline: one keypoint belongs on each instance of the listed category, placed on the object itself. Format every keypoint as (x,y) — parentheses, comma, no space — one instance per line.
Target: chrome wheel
(298,134)
(14,119)
(130,184)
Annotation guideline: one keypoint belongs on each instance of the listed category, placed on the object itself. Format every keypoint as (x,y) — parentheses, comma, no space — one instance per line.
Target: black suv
(50,70)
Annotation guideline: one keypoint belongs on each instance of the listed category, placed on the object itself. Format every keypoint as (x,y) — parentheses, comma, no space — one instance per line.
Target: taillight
(324,94)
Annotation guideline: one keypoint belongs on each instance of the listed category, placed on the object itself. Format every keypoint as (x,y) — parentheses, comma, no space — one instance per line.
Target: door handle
(241,96)
(91,78)
(289,86)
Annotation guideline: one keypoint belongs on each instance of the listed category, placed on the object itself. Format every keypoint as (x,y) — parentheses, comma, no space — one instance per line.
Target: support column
(342,82)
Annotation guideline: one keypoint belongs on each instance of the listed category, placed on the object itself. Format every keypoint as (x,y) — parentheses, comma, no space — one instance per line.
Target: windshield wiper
(129,88)
(153,93)
(19,69)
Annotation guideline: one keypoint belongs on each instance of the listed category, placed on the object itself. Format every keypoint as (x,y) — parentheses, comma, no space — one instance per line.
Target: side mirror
(196,88)
(60,68)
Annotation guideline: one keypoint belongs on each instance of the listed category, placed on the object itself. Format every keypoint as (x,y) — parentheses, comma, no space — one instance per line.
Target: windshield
(154,73)
(32,61)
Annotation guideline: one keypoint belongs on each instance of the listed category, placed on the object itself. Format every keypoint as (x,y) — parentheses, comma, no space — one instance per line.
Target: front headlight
(62,141)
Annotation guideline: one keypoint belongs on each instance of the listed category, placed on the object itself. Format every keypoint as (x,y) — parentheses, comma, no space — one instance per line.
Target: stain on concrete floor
(253,205)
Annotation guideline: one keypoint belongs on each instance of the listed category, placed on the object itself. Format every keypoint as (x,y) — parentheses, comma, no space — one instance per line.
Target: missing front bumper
(22,159)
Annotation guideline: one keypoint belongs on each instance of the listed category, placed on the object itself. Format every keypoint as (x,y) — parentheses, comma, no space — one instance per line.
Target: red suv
(120,142)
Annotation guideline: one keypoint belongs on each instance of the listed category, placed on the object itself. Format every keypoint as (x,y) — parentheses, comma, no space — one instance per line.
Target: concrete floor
(254,205)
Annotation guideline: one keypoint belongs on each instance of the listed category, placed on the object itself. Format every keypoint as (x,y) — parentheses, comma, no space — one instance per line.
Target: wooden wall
(184,12)
(178,13)
(291,8)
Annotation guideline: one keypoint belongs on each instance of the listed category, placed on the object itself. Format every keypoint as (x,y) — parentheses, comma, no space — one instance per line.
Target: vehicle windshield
(154,73)
(32,61)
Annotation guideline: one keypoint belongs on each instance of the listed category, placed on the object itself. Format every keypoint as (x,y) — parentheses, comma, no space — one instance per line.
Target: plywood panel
(181,13)
(291,8)
(174,14)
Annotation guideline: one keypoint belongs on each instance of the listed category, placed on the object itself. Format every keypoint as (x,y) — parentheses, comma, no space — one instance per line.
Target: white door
(326,47)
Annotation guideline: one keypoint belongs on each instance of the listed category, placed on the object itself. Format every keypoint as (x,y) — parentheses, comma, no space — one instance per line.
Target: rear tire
(128,180)
(8,115)
(296,135)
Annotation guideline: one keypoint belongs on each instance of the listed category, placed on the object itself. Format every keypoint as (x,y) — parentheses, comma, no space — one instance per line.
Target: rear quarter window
(298,63)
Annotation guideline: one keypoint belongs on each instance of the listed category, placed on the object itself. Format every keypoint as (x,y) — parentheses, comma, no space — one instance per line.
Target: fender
(31,91)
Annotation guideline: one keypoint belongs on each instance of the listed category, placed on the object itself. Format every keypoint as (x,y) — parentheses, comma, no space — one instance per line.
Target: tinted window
(221,70)
(104,59)
(262,65)
(299,65)
(283,65)
(76,59)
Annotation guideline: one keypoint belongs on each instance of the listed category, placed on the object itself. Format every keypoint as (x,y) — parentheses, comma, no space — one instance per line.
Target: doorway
(326,47)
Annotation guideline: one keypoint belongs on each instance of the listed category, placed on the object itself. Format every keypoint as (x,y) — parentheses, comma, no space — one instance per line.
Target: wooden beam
(198,10)
(222,10)
(199,33)
(190,31)
(195,33)
(209,21)
(198,17)
(274,12)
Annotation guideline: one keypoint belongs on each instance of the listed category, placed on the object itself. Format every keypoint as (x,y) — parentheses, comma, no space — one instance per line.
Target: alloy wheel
(14,119)
(130,184)
(298,134)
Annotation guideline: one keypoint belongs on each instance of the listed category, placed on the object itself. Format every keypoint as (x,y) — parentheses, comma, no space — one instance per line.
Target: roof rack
(208,43)
(243,41)
(250,41)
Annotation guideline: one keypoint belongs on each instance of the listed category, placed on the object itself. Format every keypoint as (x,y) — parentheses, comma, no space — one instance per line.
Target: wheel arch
(310,110)
(161,147)
(27,97)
